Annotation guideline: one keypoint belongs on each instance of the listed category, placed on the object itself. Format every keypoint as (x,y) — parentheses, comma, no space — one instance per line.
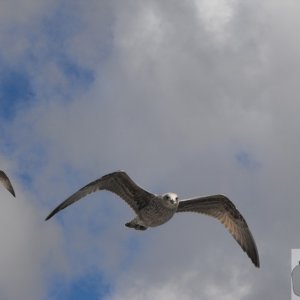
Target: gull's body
(154,210)
(4,180)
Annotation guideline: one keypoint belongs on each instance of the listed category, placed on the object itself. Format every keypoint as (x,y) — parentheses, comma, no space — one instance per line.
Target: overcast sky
(195,97)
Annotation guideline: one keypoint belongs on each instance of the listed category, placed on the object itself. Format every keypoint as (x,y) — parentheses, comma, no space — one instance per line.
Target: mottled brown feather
(118,183)
(220,207)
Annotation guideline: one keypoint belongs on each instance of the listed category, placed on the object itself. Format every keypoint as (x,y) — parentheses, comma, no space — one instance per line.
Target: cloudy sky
(196,97)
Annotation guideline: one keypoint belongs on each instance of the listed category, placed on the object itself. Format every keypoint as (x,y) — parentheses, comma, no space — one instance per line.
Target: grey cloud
(172,103)
(26,248)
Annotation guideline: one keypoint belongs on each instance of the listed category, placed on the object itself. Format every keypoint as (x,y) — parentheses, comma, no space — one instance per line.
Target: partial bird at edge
(6,183)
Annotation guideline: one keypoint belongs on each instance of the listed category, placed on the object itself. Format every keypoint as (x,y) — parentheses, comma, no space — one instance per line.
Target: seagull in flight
(4,180)
(153,210)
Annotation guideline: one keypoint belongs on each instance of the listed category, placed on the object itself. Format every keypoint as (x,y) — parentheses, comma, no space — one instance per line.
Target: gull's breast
(156,214)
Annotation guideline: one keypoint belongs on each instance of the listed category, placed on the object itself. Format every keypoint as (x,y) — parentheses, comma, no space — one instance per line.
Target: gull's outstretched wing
(6,183)
(117,182)
(220,207)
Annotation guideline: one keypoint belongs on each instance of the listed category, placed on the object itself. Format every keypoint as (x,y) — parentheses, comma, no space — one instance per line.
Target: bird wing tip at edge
(12,192)
(48,217)
(51,215)
(252,252)
(254,256)
(256,260)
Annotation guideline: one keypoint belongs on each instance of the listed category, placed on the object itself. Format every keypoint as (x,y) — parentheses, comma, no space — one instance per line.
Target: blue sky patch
(92,287)
(134,245)
(76,73)
(15,89)
(246,160)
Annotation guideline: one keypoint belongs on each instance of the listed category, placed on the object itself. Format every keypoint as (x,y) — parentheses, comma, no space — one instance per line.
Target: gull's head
(171,199)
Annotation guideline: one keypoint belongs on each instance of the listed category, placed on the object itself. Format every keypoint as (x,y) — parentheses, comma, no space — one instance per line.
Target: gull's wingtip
(13,192)
(47,218)
(252,252)
(256,261)
(51,215)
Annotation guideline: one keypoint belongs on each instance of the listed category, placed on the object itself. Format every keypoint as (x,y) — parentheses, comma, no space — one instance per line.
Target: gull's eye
(176,198)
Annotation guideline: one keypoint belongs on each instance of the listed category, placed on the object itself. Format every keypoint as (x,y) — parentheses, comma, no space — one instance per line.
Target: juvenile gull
(154,210)
(6,183)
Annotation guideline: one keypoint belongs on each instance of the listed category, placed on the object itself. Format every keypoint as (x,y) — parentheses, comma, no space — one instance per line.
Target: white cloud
(216,16)
(185,284)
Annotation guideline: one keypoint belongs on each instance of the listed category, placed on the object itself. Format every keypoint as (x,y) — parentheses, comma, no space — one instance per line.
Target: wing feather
(6,183)
(118,183)
(221,208)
